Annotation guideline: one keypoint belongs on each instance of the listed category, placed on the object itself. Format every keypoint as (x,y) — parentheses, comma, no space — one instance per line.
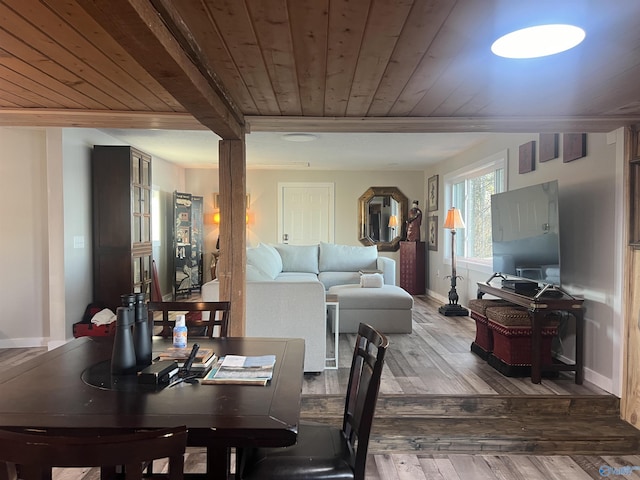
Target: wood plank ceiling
(332,65)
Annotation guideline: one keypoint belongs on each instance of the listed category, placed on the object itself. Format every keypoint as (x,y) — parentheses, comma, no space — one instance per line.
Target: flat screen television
(526,233)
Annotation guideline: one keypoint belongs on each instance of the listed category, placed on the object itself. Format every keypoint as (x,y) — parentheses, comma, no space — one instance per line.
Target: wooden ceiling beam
(54,117)
(439,124)
(46,117)
(137,26)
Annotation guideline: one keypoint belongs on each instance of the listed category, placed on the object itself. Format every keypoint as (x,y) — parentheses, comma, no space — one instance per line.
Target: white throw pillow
(254,274)
(266,259)
(298,258)
(371,280)
(347,258)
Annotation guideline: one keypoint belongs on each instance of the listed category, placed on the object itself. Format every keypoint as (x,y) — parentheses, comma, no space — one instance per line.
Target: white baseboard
(437,296)
(590,376)
(30,342)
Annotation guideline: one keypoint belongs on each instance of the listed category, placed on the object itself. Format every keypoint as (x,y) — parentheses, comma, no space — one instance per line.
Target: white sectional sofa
(286,288)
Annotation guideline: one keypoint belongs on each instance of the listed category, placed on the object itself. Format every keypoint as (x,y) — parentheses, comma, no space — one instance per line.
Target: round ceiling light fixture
(299,137)
(538,41)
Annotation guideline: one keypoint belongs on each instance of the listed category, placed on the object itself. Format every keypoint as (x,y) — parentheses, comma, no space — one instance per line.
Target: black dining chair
(32,455)
(216,325)
(324,452)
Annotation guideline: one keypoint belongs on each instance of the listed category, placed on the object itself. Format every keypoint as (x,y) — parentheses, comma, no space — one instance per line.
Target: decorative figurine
(413,223)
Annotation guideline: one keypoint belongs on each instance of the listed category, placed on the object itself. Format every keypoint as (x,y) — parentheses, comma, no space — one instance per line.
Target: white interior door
(306,213)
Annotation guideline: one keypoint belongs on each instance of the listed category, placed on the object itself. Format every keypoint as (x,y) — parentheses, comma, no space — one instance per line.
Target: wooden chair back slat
(201,317)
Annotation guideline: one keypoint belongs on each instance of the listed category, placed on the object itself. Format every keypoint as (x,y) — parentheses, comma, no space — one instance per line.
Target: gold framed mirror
(382,212)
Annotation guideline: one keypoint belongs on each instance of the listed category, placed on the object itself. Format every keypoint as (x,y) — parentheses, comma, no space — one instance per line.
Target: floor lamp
(453,221)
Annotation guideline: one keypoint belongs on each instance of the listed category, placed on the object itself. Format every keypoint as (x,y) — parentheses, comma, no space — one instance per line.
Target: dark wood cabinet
(412,267)
(122,251)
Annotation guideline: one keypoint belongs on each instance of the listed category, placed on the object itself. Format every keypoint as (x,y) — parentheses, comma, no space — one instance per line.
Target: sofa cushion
(388,297)
(266,259)
(347,258)
(298,258)
(329,279)
(297,277)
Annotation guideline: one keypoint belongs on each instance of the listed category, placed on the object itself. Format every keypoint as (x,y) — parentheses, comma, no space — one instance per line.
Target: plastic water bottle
(180,332)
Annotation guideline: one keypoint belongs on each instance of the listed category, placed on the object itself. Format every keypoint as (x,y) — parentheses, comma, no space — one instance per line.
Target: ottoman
(388,309)
(511,329)
(483,344)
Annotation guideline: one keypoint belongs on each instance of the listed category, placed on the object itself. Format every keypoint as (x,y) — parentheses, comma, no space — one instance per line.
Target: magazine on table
(237,369)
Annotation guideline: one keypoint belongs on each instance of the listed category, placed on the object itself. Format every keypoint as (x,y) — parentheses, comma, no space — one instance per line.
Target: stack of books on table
(241,370)
(205,358)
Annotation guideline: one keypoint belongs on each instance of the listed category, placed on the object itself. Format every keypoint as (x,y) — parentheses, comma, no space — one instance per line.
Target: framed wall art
(432,194)
(527,158)
(548,146)
(432,232)
(574,146)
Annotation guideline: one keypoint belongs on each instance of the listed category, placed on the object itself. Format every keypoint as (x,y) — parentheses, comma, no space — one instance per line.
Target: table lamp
(453,221)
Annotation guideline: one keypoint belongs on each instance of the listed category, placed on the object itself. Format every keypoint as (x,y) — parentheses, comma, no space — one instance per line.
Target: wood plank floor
(445,414)
(436,359)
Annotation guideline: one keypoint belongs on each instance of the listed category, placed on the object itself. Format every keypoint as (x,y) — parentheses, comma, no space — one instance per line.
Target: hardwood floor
(445,414)
(436,359)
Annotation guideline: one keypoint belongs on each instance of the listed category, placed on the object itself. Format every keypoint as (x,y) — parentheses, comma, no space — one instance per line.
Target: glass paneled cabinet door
(122,250)
(141,222)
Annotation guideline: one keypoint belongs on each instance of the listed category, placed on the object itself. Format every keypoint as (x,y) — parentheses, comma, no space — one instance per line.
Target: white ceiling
(330,151)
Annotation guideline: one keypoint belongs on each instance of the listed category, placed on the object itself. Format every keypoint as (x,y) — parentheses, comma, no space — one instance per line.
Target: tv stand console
(538,306)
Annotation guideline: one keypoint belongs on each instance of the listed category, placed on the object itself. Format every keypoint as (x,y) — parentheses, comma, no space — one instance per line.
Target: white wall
(589,219)
(23,238)
(77,145)
(45,241)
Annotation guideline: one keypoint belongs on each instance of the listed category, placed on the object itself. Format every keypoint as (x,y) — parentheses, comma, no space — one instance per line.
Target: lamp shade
(393,221)
(454,219)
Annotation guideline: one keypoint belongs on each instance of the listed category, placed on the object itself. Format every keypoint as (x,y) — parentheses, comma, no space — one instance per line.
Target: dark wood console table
(539,306)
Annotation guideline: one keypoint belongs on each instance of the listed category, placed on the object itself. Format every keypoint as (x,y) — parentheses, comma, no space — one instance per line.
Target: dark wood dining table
(70,389)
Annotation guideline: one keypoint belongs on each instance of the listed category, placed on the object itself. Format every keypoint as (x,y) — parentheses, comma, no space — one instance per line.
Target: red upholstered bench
(511,329)
(483,344)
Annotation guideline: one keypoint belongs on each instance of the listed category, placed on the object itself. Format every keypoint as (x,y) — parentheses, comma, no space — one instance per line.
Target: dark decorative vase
(123,357)
(142,332)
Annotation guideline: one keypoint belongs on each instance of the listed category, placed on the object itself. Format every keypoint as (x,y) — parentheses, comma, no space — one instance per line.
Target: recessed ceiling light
(299,137)
(538,41)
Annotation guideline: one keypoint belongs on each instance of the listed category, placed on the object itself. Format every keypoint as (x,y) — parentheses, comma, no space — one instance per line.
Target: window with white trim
(470,189)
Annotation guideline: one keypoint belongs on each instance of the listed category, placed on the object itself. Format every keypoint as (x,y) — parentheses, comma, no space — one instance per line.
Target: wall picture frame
(574,146)
(432,232)
(527,158)
(548,146)
(432,194)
